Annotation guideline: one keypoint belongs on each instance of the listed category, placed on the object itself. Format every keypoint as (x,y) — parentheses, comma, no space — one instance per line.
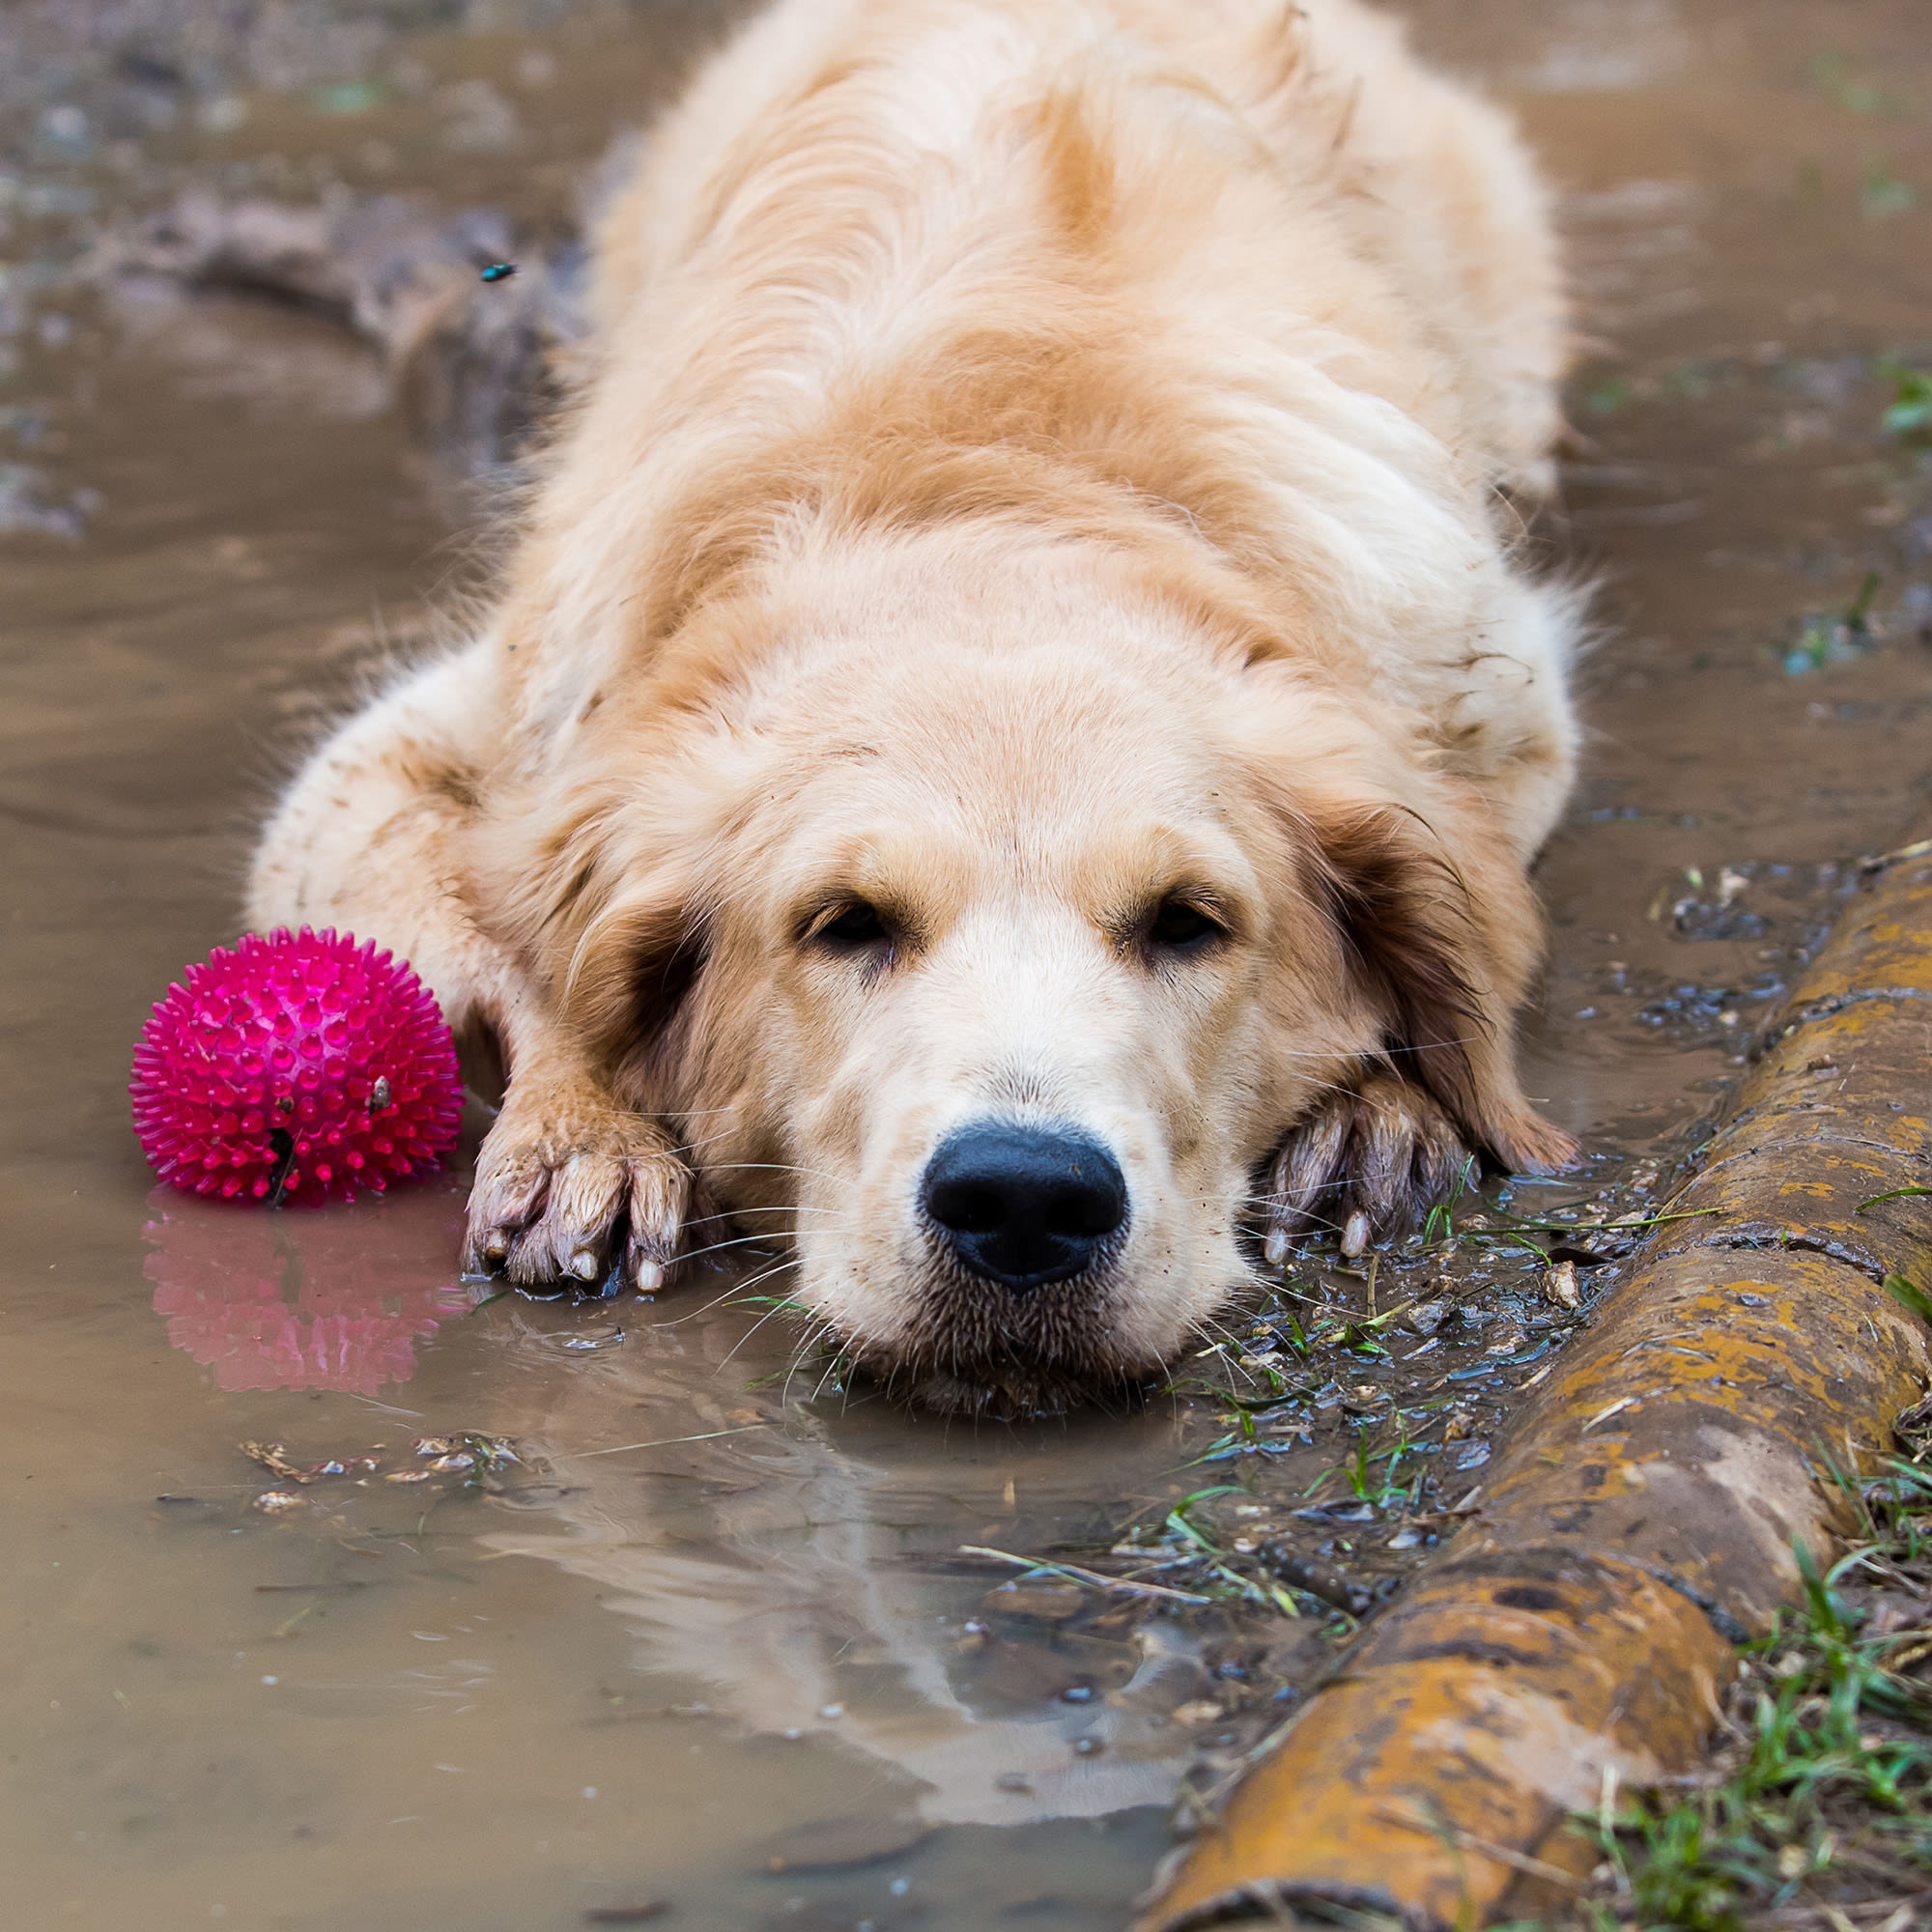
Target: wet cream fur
(1037,460)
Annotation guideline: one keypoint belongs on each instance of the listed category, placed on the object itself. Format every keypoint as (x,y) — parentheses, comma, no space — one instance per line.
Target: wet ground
(709,1642)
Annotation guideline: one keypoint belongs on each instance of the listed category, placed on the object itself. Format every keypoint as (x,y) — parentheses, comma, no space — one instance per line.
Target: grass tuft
(1816,1808)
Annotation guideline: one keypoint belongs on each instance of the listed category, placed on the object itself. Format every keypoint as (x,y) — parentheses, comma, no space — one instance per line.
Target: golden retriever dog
(1008,746)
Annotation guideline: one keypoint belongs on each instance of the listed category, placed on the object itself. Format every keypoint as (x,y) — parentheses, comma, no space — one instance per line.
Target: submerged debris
(841,1844)
(465,1450)
(1034,1597)
(469,1454)
(476,369)
(1836,637)
(273,1458)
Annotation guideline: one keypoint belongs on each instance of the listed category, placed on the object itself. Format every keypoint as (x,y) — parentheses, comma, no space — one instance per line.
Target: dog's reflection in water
(801,1576)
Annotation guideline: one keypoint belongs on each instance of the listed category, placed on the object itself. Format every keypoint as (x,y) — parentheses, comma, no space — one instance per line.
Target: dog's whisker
(788,1208)
(696,1313)
(809,1341)
(715,1247)
(830,1368)
(778,1268)
(692,1147)
(775,1167)
(735,1292)
(781,1307)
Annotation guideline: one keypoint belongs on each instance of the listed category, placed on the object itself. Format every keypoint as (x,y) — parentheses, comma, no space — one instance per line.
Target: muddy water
(709,1642)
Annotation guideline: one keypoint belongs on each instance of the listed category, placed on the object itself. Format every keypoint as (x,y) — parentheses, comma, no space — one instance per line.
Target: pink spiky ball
(297,1066)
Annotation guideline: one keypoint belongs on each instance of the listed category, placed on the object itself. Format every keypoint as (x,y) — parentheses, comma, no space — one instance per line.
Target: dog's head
(985,931)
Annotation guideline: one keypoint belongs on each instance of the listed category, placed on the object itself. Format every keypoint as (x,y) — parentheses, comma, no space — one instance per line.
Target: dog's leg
(372,839)
(571,1186)
(1365,1163)
(1369,1161)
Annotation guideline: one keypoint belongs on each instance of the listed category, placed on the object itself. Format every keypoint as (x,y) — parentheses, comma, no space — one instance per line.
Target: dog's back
(956,104)
(1248,259)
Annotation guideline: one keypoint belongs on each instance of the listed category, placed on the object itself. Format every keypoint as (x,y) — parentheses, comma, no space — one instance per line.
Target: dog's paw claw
(568,1193)
(1363,1165)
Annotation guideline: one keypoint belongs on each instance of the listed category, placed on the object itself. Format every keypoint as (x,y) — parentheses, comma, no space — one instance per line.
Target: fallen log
(1646,1515)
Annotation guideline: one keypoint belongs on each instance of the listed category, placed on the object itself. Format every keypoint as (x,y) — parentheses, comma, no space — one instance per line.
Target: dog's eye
(853,926)
(1179,925)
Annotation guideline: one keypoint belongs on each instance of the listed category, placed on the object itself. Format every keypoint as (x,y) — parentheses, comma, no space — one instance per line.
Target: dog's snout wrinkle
(1024,1205)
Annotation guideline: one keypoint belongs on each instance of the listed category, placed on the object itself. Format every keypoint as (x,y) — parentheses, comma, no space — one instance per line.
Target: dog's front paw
(569,1187)
(1365,1163)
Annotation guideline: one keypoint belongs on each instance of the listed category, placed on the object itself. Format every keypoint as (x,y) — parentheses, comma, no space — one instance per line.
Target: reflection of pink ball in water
(298,1066)
(326,1300)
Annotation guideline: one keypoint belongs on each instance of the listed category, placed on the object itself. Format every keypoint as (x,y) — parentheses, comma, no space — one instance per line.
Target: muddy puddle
(526,1614)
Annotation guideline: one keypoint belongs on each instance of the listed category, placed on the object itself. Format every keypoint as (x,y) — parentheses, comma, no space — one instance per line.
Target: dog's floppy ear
(635,961)
(605,926)
(1440,933)
(1404,918)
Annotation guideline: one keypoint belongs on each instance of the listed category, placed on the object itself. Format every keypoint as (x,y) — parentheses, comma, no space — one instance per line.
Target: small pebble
(1201,1711)
(1050,1601)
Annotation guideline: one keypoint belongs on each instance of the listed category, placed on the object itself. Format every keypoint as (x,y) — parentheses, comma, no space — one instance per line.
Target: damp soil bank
(709,1643)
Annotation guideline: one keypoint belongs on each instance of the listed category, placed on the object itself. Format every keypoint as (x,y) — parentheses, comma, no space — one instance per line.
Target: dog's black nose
(1024,1205)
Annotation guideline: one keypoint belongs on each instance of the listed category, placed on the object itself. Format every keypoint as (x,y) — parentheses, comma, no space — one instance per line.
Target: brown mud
(750,1676)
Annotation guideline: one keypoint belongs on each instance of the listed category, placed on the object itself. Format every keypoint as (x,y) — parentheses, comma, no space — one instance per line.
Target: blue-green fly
(499,271)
